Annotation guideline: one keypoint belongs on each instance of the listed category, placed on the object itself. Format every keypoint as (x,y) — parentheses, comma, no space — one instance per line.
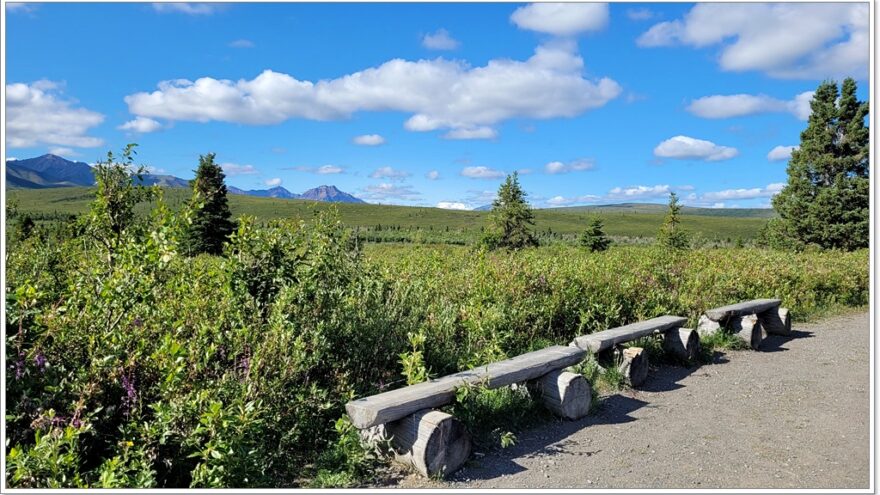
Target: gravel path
(795,415)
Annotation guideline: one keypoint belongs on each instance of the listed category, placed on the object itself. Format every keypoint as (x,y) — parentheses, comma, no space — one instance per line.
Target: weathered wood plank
(742,309)
(606,339)
(396,404)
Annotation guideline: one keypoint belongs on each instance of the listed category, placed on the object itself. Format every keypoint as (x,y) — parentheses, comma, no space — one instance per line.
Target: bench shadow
(546,440)
(774,343)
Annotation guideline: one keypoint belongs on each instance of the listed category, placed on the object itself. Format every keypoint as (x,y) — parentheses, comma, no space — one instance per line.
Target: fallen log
(776,321)
(431,442)
(742,309)
(634,366)
(683,343)
(749,329)
(564,393)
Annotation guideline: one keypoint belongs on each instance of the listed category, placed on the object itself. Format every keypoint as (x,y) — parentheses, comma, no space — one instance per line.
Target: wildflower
(130,394)
(41,361)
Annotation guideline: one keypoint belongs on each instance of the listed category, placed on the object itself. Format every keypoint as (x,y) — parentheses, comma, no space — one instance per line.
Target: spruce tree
(826,201)
(510,218)
(671,233)
(211,224)
(594,237)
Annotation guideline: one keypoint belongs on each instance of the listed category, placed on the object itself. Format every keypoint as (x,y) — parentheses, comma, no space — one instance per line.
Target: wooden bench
(435,443)
(684,343)
(749,320)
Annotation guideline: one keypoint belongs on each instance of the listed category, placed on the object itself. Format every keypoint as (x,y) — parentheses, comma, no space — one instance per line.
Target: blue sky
(432,104)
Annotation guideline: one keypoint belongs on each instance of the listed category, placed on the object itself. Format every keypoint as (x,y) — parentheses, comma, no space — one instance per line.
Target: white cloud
(780,153)
(64,152)
(472,133)
(274,182)
(322,170)
(452,205)
(784,40)
(725,106)
(481,197)
(242,43)
(11,158)
(369,140)
(186,8)
(387,191)
(751,193)
(433,175)
(561,19)
(438,93)
(440,40)
(639,192)
(38,114)
(563,201)
(642,14)
(688,148)
(233,169)
(389,173)
(574,166)
(141,125)
(20,7)
(482,172)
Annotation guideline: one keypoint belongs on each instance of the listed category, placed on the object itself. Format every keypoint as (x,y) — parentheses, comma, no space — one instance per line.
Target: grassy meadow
(130,364)
(624,223)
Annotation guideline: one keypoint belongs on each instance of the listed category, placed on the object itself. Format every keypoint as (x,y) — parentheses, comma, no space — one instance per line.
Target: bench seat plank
(742,309)
(606,339)
(396,404)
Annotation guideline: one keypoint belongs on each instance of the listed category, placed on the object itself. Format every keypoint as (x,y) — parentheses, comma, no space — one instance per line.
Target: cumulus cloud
(433,175)
(389,173)
(574,166)
(141,125)
(233,169)
(639,192)
(274,182)
(322,170)
(780,153)
(725,106)
(242,43)
(482,172)
(369,140)
(561,19)
(783,40)
(440,40)
(472,133)
(563,201)
(385,191)
(751,193)
(20,7)
(61,151)
(642,14)
(629,193)
(439,94)
(452,205)
(688,148)
(186,8)
(38,113)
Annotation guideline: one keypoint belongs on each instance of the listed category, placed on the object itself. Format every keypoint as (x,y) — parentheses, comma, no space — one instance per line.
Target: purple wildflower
(138,322)
(19,365)
(130,394)
(41,361)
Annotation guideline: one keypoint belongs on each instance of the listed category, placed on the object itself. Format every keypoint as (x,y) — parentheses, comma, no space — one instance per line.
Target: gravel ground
(793,415)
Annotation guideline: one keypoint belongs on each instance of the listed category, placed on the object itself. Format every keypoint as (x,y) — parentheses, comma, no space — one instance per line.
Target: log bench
(683,343)
(435,443)
(749,320)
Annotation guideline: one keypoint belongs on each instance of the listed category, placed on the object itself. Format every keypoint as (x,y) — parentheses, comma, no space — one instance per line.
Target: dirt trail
(794,415)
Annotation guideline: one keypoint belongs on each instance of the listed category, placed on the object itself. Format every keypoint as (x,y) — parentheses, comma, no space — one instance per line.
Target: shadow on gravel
(773,343)
(547,440)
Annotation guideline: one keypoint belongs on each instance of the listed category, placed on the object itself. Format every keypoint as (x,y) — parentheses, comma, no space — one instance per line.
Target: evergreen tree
(510,218)
(671,233)
(211,224)
(826,200)
(594,237)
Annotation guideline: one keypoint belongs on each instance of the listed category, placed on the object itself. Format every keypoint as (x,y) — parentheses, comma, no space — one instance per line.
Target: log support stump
(564,393)
(431,442)
(683,343)
(776,321)
(749,329)
(707,327)
(634,366)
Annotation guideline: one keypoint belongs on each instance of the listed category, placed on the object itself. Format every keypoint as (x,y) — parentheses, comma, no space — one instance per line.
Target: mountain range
(54,171)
